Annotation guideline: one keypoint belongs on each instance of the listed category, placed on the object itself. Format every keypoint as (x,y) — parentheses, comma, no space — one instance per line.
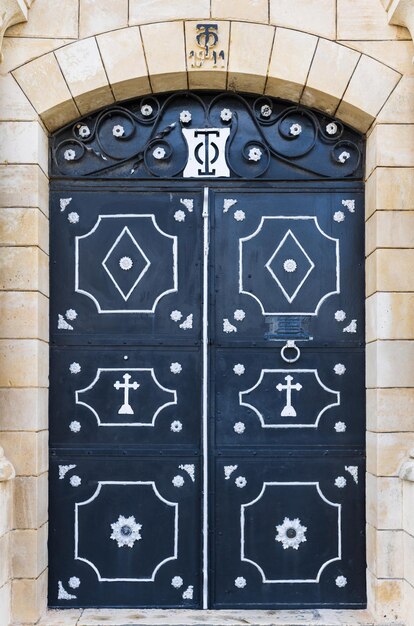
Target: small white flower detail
(71,314)
(331,128)
(339,216)
(69,155)
(178,481)
(159,153)
(84,131)
(185,117)
(239,428)
(226,115)
(340,427)
(188,203)
(64,469)
(176,368)
(239,315)
(239,369)
(295,130)
(353,470)
(126,531)
(63,324)
(188,593)
(351,328)
(340,315)
(227,327)
(74,368)
(228,203)
(75,426)
(340,482)
(228,471)
(239,216)
(266,110)
(73,217)
(176,316)
(179,216)
(125,263)
(74,582)
(64,203)
(118,130)
(177,582)
(339,369)
(190,469)
(340,581)
(187,323)
(240,482)
(63,594)
(290,265)
(75,480)
(349,204)
(176,426)
(344,156)
(146,110)
(291,533)
(240,582)
(255,154)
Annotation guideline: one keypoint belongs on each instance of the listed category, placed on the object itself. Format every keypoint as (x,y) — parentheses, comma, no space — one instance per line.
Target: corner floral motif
(177,582)
(188,322)
(188,203)
(64,469)
(179,216)
(188,593)
(290,266)
(340,427)
(341,581)
(176,426)
(266,110)
(178,481)
(240,582)
(118,131)
(239,369)
(239,315)
(228,471)
(75,480)
(176,316)
(255,154)
(159,153)
(349,204)
(291,533)
(340,482)
(240,482)
(125,263)
(63,594)
(353,470)
(74,582)
(75,426)
(295,130)
(190,469)
(228,327)
(239,428)
(63,324)
(344,156)
(339,369)
(340,315)
(146,110)
(239,215)
(74,368)
(126,531)
(226,115)
(339,216)
(331,128)
(64,202)
(351,328)
(185,117)
(228,203)
(176,368)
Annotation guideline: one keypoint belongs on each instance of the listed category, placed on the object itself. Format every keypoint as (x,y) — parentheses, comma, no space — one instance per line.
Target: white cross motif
(126,408)
(288,410)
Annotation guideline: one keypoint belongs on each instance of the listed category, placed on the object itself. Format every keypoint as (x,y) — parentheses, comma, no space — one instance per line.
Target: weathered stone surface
(7,471)
(396,54)
(146,11)
(312,16)
(24,269)
(247,71)
(390,145)
(386,452)
(29,552)
(24,227)
(364,21)
(23,363)
(31,500)
(390,189)
(390,410)
(165,54)
(17,50)
(46,21)
(399,106)
(29,598)
(28,452)
(24,315)
(385,552)
(382,357)
(390,270)
(23,142)
(24,186)
(24,409)
(390,229)
(13,103)
(249,10)
(99,17)
(385,598)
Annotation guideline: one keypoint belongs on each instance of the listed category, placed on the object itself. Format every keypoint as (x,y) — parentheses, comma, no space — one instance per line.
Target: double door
(207,396)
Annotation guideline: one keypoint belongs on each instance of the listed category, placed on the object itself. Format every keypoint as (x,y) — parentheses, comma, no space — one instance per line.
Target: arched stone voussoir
(89,74)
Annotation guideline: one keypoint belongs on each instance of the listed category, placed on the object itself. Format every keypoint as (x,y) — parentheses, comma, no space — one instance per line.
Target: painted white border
(258,229)
(125,369)
(127,216)
(289,371)
(93,497)
(206,243)
(285,484)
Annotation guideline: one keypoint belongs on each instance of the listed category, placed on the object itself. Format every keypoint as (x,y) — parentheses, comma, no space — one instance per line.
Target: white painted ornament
(179,216)
(185,117)
(331,128)
(291,533)
(64,469)
(295,130)
(266,110)
(239,369)
(228,327)
(188,593)
(188,322)
(126,531)
(239,315)
(118,131)
(64,202)
(339,216)
(63,594)
(63,324)
(239,428)
(341,581)
(125,263)
(73,217)
(240,582)
(69,155)
(159,153)
(74,582)
(255,154)
(344,156)
(178,481)
(290,266)
(74,368)
(339,369)
(226,115)
(340,315)
(188,203)
(351,328)
(146,110)
(340,482)
(71,314)
(349,204)
(228,203)
(228,471)
(75,426)
(176,426)
(84,131)
(240,482)
(176,368)
(353,470)
(239,215)
(176,316)
(340,427)
(190,469)
(75,480)
(177,582)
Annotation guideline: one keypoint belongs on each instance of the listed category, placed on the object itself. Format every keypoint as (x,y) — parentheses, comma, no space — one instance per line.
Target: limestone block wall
(75,56)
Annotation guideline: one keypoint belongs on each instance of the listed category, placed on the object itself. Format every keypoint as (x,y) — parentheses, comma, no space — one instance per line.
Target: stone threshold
(180,617)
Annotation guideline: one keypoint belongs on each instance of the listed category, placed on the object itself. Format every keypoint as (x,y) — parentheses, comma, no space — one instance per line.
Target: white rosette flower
(126,531)
(291,533)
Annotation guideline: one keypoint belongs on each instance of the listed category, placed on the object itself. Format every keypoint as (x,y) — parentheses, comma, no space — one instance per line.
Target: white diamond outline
(267,266)
(144,271)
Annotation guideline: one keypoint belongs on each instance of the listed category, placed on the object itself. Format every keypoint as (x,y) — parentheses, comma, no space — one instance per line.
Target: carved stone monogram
(207,51)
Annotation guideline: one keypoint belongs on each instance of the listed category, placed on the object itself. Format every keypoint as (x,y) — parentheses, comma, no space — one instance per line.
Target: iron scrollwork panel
(289,266)
(126,265)
(126,532)
(290,532)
